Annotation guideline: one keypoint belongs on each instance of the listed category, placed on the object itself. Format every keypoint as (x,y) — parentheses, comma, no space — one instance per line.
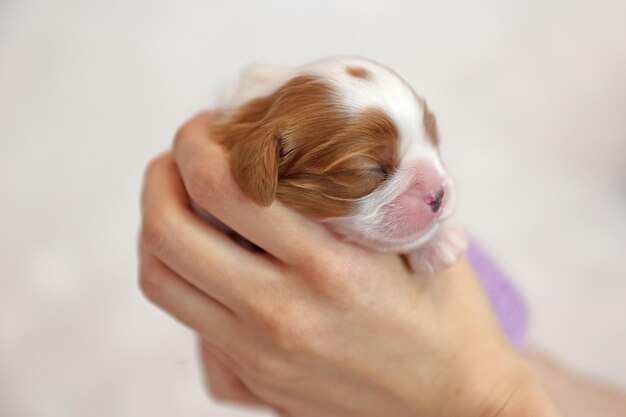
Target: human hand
(315,326)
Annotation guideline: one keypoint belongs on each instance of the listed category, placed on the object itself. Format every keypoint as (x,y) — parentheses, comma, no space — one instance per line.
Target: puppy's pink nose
(434,199)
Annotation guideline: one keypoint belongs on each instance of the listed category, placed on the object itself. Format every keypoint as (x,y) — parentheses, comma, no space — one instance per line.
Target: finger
(222,382)
(186,303)
(193,248)
(204,167)
(271,394)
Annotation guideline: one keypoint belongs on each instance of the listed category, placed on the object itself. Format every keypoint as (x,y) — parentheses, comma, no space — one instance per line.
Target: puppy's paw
(442,251)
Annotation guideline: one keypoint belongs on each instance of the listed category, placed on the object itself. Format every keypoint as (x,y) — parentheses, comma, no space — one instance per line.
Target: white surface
(531,99)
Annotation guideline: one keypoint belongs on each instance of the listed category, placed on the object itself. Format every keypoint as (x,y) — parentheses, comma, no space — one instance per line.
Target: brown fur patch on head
(298,146)
(430,125)
(358,72)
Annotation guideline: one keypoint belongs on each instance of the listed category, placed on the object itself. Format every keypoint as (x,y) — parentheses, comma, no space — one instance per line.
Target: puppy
(348,142)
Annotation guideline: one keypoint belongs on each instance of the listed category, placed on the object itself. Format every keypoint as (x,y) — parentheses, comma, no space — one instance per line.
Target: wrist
(523,397)
(489,379)
(500,384)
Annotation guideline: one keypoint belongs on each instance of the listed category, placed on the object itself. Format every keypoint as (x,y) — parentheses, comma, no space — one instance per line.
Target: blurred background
(531,102)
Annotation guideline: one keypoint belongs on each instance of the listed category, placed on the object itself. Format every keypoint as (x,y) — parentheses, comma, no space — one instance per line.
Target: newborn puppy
(345,141)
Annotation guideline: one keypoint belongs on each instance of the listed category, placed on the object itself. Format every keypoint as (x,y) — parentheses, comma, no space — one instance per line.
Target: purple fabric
(505,300)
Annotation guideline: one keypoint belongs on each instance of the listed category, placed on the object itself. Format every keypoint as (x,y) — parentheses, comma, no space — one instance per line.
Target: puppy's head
(348,142)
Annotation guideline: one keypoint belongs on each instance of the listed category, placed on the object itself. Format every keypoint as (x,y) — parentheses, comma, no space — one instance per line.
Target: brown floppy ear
(254,163)
(252,134)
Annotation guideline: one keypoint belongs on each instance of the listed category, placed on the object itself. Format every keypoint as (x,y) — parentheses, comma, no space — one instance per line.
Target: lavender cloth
(505,300)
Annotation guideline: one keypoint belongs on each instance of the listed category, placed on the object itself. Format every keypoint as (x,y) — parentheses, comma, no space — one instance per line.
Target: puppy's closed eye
(381,171)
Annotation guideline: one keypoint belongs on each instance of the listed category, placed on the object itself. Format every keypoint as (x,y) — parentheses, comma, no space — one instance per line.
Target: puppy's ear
(254,164)
(251,135)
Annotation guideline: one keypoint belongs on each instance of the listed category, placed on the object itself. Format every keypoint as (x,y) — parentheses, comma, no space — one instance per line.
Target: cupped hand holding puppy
(315,326)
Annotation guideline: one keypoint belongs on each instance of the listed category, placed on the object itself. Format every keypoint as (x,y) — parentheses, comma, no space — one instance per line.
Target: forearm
(576,395)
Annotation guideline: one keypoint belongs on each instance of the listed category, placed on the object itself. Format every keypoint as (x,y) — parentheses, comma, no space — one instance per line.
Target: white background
(531,100)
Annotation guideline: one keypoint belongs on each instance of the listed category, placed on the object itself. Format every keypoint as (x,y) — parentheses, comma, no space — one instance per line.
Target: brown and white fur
(345,141)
